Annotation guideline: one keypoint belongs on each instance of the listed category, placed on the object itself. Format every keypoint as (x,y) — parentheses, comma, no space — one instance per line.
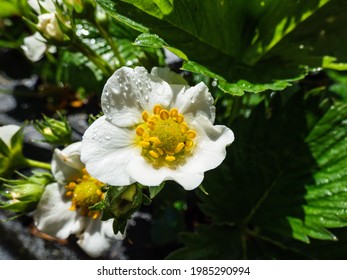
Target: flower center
(85,192)
(164,136)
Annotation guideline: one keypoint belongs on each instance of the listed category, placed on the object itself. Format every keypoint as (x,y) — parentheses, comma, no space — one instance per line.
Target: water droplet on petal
(107,137)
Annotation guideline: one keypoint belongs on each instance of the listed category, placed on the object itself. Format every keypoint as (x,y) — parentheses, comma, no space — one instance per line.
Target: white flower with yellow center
(155,128)
(35,46)
(63,207)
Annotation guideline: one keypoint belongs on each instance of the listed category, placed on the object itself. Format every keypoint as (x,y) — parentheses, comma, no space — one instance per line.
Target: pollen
(164,136)
(84,193)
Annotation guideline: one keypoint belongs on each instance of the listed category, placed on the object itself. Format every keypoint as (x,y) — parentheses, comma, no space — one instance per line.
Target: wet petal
(106,150)
(196,101)
(131,91)
(66,164)
(147,175)
(210,149)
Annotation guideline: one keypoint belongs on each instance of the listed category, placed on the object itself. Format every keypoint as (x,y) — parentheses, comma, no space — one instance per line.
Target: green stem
(37,164)
(112,44)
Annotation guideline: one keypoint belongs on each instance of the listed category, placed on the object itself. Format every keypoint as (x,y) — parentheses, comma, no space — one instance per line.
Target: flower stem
(111,42)
(38,164)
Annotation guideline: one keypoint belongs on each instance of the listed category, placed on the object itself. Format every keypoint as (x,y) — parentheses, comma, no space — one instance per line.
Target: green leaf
(283,185)
(250,46)
(210,242)
(9,8)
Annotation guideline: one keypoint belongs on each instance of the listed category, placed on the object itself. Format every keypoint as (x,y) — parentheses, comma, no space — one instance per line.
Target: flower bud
(11,148)
(48,25)
(54,131)
(23,194)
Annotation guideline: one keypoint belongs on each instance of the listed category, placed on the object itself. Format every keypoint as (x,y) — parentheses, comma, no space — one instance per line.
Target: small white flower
(49,26)
(34,46)
(63,208)
(155,128)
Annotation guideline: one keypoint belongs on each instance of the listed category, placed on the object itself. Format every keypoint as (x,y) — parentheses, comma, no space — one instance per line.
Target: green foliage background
(277,70)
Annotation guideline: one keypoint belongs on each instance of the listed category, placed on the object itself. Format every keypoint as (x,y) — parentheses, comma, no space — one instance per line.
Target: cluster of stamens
(85,192)
(164,136)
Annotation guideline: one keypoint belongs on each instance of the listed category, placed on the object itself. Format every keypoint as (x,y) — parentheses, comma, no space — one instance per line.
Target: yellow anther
(73,207)
(179,147)
(173,113)
(84,171)
(164,114)
(170,158)
(85,177)
(180,118)
(145,144)
(160,151)
(99,192)
(151,124)
(156,109)
(191,134)
(184,128)
(71,186)
(153,154)
(68,193)
(154,140)
(189,144)
(140,131)
(95,215)
(145,116)
(155,118)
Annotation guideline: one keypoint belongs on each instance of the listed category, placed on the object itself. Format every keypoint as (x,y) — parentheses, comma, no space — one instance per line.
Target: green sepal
(120,203)
(154,191)
(4,150)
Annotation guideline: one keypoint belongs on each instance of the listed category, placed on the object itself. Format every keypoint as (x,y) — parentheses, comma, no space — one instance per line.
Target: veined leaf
(285,176)
(247,45)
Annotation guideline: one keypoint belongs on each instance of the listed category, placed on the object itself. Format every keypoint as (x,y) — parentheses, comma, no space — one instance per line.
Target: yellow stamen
(160,151)
(151,124)
(145,116)
(173,113)
(145,144)
(157,108)
(153,154)
(69,193)
(164,114)
(180,118)
(191,134)
(179,148)
(154,140)
(140,131)
(170,158)
(189,144)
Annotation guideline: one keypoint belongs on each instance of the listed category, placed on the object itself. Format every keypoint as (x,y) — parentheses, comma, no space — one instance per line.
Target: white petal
(94,241)
(106,150)
(66,164)
(210,149)
(53,216)
(147,175)
(196,101)
(169,76)
(131,91)
(34,47)
(6,133)
(46,4)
